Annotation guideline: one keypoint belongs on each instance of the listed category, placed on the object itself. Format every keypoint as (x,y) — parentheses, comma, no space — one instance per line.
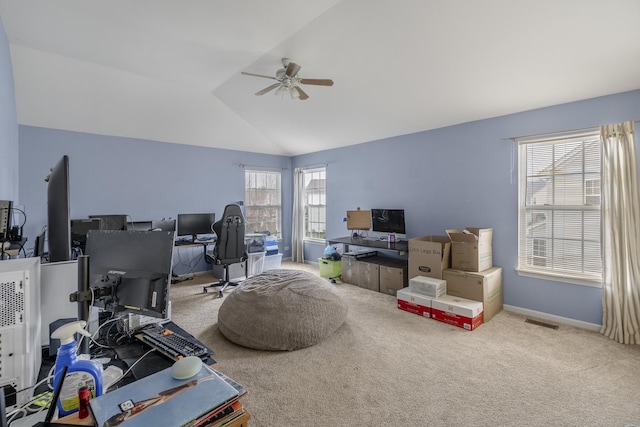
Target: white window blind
(315,200)
(559,207)
(263,206)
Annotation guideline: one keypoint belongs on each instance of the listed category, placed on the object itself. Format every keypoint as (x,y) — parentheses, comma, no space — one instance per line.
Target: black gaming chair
(230,246)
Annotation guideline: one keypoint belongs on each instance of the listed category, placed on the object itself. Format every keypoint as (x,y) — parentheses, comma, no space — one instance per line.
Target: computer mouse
(186,367)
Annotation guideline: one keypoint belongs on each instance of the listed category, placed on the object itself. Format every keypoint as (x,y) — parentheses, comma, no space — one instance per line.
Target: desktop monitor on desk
(79,230)
(195,224)
(58,221)
(112,222)
(388,221)
(131,270)
(163,225)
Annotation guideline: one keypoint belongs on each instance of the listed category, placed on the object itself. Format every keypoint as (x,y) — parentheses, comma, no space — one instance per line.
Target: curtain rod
(592,128)
(321,165)
(264,168)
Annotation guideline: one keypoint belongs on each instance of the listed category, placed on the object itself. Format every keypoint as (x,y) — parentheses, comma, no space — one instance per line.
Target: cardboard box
(369,276)
(434,288)
(429,256)
(471,249)
(461,312)
(392,278)
(350,270)
(484,286)
(414,303)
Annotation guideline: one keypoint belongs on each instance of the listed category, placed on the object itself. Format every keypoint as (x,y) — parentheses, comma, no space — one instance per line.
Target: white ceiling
(169,70)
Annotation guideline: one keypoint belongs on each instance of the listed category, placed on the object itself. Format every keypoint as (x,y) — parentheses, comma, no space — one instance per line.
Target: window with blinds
(315,203)
(559,207)
(262,199)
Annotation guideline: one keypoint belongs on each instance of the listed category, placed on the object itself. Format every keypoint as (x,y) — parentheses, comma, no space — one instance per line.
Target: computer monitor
(194,224)
(79,230)
(388,221)
(38,247)
(112,222)
(139,225)
(131,270)
(5,219)
(59,227)
(163,225)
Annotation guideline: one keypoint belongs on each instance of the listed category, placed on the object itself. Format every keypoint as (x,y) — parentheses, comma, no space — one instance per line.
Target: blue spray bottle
(80,372)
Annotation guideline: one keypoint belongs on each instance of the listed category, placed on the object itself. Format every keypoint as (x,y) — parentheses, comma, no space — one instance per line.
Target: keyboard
(170,343)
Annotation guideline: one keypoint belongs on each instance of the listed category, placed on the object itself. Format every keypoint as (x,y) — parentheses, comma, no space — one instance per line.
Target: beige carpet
(387,367)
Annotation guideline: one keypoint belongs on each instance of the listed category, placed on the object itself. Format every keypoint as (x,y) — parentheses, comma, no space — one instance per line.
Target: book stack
(209,398)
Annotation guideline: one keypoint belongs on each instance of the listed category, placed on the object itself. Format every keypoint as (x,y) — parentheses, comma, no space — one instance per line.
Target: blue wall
(459,176)
(465,176)
(146,180)
(8,124)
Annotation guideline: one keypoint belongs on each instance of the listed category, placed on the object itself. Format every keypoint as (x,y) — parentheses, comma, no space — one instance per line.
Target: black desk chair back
(230,246)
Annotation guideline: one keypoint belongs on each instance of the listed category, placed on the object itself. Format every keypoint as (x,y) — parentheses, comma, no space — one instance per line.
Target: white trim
(558,278)
(315,241)
(553,318)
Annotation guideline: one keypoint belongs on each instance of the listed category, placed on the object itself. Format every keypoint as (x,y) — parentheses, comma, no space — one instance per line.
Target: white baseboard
(553,318)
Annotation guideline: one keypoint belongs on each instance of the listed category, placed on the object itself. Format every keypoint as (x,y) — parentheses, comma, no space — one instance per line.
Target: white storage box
(256,263)
(434,288)
(272,262)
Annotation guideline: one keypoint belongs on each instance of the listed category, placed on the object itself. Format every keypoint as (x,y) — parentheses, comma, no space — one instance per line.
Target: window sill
(315,241)
(559,278)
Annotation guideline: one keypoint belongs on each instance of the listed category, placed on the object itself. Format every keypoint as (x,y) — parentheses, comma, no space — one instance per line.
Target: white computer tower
(20,350)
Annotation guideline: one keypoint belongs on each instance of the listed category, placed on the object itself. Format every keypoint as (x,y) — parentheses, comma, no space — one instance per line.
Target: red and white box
(414,303)
(461,312)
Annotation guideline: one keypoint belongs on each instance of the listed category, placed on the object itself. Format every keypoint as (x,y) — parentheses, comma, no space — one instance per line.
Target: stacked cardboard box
(471,249)
(484,286)
(461,263)
(429,256)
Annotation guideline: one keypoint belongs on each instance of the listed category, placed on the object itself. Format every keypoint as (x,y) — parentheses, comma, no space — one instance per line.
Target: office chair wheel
(204,290)
(220,293)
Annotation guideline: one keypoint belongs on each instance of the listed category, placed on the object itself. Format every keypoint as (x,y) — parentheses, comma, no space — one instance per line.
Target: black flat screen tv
(58,222)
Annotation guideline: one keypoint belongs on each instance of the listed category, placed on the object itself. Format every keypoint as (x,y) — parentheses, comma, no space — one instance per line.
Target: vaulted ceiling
(171,70)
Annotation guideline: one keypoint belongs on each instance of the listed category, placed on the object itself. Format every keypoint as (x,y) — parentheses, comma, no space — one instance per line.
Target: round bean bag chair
(281,310)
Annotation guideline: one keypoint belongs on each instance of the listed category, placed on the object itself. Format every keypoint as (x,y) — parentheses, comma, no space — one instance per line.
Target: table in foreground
(241,421)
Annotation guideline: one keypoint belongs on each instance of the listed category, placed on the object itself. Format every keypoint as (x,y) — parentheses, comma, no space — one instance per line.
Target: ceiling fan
(289,82)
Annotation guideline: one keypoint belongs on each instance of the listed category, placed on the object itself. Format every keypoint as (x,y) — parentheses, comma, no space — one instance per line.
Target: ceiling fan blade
(257,75)
(302,93)
(319,82)
(292,69)
(268,89)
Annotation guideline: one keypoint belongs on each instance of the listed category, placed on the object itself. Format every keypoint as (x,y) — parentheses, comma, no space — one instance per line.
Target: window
(262,198)
(559,207)
(315,199)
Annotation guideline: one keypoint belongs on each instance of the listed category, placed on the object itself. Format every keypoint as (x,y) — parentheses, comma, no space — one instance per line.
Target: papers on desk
(161,400)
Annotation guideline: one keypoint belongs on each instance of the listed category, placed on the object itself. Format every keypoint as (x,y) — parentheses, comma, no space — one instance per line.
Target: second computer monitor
(163,225)
(112,222)
(195,224)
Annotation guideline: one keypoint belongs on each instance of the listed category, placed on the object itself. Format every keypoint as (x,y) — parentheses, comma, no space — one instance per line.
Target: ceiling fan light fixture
(280,91)
(289,82)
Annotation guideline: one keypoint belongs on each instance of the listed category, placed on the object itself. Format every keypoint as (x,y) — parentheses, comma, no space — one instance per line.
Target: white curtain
(297,232)
(620,235)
